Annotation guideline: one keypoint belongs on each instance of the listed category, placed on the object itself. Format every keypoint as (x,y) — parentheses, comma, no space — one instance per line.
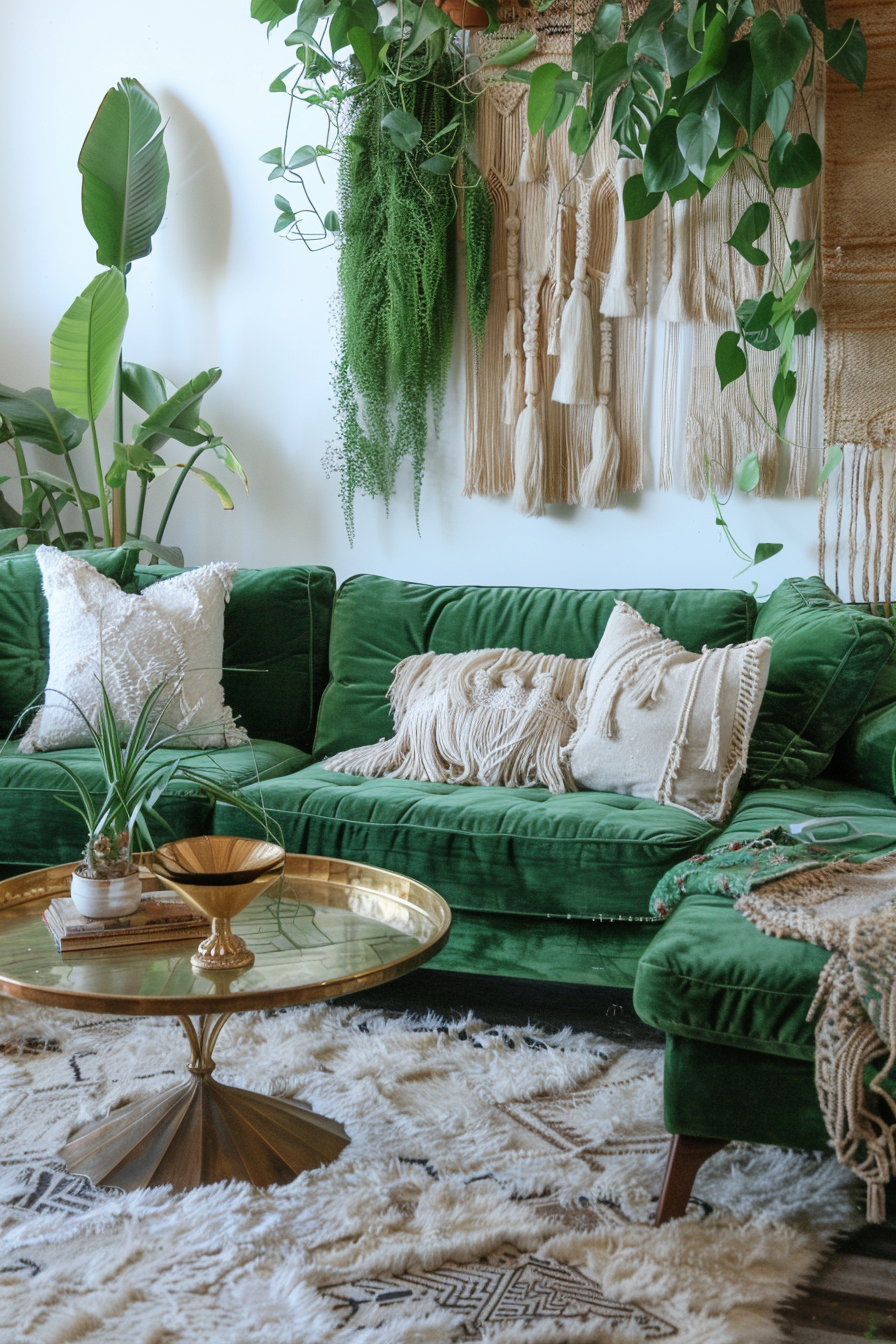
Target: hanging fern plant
(397,284)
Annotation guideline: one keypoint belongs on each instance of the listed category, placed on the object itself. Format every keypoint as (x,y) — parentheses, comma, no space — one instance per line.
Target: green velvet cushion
(36,830)
(512,851)
(866,754)
(377,622)
(24,631)
(711,975)
(825,659)
(276,636)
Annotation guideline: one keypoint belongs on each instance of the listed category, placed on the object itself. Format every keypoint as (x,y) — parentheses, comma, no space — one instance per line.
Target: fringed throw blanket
(491,716)
(792,890)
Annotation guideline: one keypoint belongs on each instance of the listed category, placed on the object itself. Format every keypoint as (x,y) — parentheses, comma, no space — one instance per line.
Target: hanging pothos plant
(398,115)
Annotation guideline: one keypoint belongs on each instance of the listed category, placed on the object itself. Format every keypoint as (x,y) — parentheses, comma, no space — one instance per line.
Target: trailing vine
(478,224)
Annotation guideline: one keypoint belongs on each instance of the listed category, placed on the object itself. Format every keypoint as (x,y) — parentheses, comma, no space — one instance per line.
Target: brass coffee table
(326,928)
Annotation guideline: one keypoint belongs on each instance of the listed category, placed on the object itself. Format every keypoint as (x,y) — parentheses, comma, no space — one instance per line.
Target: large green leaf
(214,484)
(37,419)
(125,171)
(178,417)
(144,387)
(664,163)
(778,49)
(845,52)
(86,344)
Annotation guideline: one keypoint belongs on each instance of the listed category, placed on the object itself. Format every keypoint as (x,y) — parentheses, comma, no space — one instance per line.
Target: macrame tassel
(574,384)
(528,439)
(619,293)
(675,305)
(534,160)
(599,483)
(711,755)
(560,284)
(515,365)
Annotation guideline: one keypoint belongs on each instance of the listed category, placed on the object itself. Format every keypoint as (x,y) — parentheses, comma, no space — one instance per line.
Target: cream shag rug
(499,1187)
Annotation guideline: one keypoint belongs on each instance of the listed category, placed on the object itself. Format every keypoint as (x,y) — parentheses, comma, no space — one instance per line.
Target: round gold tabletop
(326,928)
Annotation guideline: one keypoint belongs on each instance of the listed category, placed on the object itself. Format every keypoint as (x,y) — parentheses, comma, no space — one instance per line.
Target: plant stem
(120,493)
(48,496)
(185,471)
(101,484)
(82,503)
(141,501)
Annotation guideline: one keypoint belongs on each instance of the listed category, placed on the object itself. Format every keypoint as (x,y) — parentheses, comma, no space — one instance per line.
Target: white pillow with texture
(656,721)
(172,632)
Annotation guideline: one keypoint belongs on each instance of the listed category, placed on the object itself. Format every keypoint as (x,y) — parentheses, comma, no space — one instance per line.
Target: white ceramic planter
(106,898)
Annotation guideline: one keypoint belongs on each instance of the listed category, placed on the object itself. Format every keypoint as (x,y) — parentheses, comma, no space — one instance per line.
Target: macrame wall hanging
(548,418)
(857,530)
(556,394)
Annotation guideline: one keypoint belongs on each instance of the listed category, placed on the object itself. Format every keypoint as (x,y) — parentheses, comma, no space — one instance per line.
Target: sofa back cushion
(276,633)
(826,657)
(866,754)
(377,622)
(24,631)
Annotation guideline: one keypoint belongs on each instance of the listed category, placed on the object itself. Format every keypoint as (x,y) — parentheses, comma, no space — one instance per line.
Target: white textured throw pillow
(491,716)
(172,632)
(656,721)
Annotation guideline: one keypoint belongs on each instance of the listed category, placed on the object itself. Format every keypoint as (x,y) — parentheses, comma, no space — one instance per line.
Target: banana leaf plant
(124,187)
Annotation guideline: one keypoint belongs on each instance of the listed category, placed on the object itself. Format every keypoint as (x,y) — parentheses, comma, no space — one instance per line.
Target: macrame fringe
(599,483)
(620,295)
(574,384)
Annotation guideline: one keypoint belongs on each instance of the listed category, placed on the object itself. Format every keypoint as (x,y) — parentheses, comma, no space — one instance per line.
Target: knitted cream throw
(490,716)
(849,908)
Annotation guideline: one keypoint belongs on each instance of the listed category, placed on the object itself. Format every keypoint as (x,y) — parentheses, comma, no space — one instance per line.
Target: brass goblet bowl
(219,875)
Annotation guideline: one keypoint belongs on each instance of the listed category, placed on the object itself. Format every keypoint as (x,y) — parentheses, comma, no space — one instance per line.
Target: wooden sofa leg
(686,1156)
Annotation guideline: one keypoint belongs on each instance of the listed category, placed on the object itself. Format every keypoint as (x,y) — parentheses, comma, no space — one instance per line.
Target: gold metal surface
(200,1131)
(219,875)
(325,928)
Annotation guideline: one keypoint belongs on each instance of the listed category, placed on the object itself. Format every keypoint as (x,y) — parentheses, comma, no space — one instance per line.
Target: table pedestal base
(201,1131)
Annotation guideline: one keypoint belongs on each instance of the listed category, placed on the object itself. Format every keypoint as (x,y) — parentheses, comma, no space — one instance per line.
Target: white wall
(220,288)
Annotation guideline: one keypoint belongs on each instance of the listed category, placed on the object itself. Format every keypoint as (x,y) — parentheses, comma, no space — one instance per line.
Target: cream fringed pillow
(492,716)
(656,721)
(172,633)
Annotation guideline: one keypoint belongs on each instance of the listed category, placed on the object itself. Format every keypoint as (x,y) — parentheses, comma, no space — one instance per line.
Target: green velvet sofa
(552,887)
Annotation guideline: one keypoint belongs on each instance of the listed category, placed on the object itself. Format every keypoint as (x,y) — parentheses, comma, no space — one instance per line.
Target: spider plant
(120,820)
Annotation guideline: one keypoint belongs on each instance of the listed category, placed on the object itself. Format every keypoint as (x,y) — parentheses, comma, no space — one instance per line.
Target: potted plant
(124,171)
(106,884)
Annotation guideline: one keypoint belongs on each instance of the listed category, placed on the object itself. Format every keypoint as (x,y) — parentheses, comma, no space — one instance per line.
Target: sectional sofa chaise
(542,886)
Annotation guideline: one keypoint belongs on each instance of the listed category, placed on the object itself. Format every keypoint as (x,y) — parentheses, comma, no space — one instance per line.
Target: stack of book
(161,918)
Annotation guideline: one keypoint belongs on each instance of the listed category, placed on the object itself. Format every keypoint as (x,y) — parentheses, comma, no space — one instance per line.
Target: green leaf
(845,51)
(131,457)
(403,128)
(719,165)
(581,133)
(731,362)
(124,169)
(272,11)
(230,460)
(302,157)
(751,225)
(783,394)
(778,49)
(514,50)
(277,85)
(680,56)
(755,318)
(688,188)
(541,94)
(697,138)
(779,105)
(274,155)
(9,534)
(560,109)
(815,9)
(369,50)
(37,419)
(282,203)
(331,221)
(748,474)
(794,163)
(805,322)
(428,20)
(169,555)
(178,416)
(664,163)
(607,22)
(144,387)
(439,164)
(765,550)
(740,89)
(214,484)
(86,344)
(833,459)
(284,220)
(716,42)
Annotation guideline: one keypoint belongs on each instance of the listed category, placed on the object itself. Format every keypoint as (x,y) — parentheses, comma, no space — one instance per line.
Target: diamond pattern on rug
(564,1122)
(583,1216)
(504,1287)
(48,1187)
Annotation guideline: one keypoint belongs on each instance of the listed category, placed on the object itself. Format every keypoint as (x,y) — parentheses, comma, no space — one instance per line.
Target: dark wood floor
(854,1296)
